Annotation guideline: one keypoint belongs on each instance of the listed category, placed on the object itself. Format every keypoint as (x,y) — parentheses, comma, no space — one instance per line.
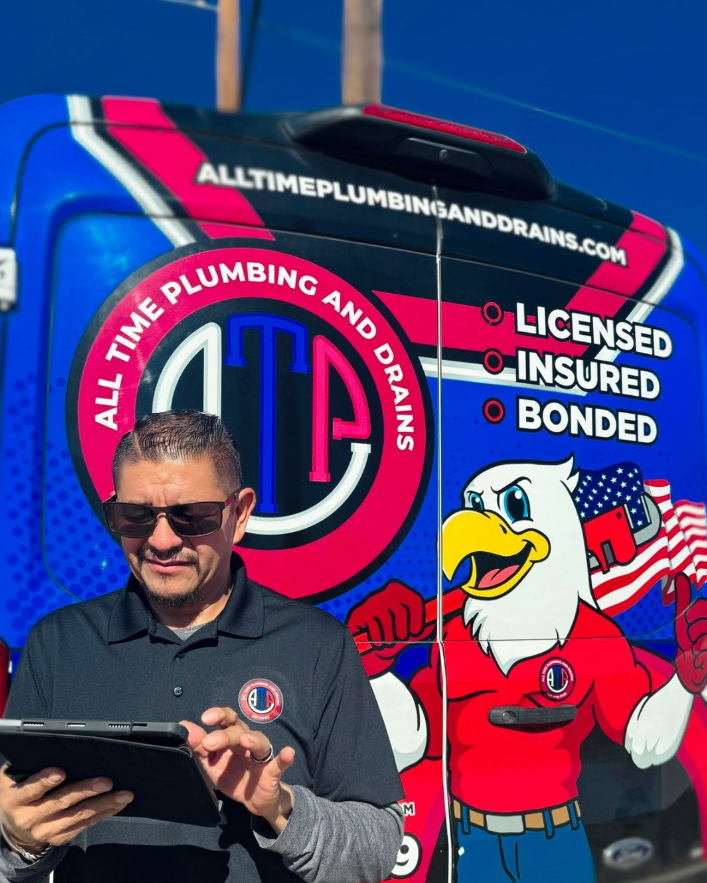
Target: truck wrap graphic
(481,446)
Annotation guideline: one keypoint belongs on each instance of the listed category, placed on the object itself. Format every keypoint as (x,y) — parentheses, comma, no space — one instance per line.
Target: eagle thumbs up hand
(691,636)
(389,618)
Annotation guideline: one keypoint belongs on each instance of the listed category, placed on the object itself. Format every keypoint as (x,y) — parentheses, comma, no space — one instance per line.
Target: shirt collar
(241,617)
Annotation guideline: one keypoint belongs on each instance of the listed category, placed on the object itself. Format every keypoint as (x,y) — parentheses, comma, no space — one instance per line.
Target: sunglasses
(136,521)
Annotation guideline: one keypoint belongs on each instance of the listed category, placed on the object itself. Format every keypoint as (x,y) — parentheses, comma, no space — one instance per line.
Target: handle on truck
(518,716)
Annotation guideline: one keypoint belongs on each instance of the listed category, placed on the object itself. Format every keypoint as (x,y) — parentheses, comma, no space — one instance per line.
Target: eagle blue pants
(560,855)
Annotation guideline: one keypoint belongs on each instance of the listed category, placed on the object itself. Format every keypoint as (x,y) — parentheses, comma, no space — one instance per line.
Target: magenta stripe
(147,133)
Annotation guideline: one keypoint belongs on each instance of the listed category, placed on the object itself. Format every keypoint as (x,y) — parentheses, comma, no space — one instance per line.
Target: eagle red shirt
(508,769)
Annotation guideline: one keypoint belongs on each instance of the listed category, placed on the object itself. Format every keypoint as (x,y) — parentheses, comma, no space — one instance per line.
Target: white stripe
(615,572)
(694,525)
(697,509)
(474,373)
(694,535)
(677,559)
(151,202)
(655,294)
(616,597)
(689,522)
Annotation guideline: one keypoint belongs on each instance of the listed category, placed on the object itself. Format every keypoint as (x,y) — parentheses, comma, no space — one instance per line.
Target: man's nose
(163,538)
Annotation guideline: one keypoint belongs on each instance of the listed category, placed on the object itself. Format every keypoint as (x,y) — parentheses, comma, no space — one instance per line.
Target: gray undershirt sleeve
(323,842)
(14,869)
(327,842)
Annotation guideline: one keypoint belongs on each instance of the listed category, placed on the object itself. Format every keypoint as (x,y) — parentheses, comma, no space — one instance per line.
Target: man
(309,790)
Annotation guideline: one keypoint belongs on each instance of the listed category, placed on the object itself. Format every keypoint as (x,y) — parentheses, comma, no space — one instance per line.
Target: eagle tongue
(497,576)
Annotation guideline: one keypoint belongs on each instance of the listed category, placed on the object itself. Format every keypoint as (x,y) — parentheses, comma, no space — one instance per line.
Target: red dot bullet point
(494,411)
(493,361)
(492,313)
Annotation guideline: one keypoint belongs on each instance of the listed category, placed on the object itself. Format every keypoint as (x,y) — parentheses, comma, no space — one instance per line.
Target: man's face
(173,569)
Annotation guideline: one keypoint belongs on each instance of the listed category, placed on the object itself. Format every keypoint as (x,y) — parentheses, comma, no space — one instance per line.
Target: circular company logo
(312,378)
(260,701)
(556,679)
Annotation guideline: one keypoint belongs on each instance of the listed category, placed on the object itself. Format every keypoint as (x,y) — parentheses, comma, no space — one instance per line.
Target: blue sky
(610,95)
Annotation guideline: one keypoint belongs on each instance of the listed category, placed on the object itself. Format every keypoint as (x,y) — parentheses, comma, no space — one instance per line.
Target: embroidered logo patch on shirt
(260,701)
(557,679)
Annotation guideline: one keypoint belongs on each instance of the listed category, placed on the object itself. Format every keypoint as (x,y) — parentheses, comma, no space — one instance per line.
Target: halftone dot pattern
(27,593)
(80,553)
(470,443)
(56,550)
(414,562)
(84,557)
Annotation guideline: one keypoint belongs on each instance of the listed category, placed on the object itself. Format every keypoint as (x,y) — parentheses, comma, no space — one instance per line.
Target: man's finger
(86,809)
(219,717)
(230,737)
(35,787)
(196,734)
(257,743)
(69,834)
(63,828)
(284,759)
(69,795)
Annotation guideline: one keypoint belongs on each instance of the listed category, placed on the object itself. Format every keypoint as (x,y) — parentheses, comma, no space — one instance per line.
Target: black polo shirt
(109,657)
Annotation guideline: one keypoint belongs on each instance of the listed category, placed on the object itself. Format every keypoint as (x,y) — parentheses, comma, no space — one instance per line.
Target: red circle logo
(313,379)
(494,411)
(260,701)
(493,361)
(492,313)
(557,679)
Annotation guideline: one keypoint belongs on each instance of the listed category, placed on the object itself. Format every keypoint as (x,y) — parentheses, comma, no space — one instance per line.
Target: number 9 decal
(408,859)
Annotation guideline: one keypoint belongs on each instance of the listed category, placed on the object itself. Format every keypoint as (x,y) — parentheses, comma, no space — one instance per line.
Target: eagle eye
(475,502)
(515,503)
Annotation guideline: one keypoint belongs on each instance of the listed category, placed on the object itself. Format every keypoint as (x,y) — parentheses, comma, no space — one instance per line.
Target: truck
(461,390)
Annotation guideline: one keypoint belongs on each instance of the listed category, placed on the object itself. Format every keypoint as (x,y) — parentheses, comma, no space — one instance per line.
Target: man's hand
(40,812)
(389,617)
(691,635)
(227,756)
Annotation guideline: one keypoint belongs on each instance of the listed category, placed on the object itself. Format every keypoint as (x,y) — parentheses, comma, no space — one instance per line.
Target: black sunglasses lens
(134,521)
(130,519)
(195,519)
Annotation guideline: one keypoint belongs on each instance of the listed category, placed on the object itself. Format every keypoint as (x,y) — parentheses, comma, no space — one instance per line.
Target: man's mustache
(166,555)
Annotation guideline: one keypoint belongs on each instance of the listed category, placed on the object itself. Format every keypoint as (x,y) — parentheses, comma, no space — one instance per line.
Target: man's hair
(181,435)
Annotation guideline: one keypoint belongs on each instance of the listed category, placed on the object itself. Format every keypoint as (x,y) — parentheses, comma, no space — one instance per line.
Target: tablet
(153,760)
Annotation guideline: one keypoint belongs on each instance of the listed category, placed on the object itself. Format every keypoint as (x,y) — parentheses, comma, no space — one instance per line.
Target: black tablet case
(167,782)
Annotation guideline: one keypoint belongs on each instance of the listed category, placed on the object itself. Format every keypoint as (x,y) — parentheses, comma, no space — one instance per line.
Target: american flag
(636,536)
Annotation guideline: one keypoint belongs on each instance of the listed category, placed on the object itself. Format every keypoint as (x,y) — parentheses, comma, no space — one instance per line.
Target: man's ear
(244,506)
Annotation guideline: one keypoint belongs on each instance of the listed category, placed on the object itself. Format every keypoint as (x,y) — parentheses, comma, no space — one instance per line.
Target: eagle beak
(499,557)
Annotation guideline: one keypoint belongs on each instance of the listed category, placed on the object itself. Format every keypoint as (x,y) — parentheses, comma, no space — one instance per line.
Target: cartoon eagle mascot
(528,667)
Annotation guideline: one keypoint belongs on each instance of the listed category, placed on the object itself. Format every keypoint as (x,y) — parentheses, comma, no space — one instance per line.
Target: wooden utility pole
(228,60)
(363,55)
